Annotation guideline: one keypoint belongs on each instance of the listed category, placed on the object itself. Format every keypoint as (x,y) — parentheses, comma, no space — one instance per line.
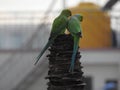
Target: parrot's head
(80,17)
(66,12)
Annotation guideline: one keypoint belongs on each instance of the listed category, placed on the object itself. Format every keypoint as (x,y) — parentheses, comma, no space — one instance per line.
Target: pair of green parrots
(63,21)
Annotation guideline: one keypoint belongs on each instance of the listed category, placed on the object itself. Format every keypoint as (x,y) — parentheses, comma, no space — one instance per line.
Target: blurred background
(24,30)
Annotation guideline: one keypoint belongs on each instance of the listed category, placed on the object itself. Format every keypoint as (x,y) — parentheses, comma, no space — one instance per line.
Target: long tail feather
(76,42)
(43,50)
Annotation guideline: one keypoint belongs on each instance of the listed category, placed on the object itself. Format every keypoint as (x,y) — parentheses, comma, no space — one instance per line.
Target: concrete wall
(99,64)
(101,73)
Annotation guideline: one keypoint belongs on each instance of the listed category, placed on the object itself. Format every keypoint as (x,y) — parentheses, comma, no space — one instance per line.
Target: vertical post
(59,63)
(64,4)
(119,77)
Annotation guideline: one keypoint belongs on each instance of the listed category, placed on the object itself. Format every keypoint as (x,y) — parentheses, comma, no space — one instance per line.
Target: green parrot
(58,27)
(75,29)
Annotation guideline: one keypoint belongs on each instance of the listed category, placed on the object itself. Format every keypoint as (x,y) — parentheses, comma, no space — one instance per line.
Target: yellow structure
(95,26)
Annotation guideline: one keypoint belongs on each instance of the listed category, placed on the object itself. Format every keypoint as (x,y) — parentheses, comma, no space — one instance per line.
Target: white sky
(7,6)
(28,5)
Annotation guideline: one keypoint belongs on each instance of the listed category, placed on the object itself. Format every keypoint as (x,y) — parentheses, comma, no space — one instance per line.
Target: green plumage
(75,29)
(58,27)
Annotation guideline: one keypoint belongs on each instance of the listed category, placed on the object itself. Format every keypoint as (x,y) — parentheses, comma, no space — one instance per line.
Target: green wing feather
(75,49)
(58,27)
(74,28)
(43,50)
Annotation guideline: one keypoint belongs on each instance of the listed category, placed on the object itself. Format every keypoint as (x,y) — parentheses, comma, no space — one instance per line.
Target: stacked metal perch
(59,63)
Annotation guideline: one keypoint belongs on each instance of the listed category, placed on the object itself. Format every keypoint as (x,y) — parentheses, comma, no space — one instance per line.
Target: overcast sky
(42,5)
(28,5)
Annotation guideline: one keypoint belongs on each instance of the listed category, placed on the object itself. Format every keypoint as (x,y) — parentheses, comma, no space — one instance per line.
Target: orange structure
(95,26)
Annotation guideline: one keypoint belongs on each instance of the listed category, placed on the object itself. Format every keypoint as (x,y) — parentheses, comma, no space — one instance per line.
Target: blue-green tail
(43,50)
(75,49)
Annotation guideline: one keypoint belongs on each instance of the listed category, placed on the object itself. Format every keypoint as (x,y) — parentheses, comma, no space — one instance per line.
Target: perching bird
(75,29)
(58,27)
